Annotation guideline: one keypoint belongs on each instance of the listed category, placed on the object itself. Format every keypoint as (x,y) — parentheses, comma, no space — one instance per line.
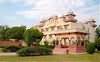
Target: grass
(53,58)
(0,49)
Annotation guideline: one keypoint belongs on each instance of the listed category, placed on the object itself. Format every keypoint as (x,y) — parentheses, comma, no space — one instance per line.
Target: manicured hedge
(45,51)
(10,49)
(47,46)
(30,51)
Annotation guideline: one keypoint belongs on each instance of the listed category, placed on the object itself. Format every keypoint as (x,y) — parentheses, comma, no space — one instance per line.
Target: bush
(45,51)
(98,44)
(47,46)
(90,48)
(2,46)
(29,51)
(10,49)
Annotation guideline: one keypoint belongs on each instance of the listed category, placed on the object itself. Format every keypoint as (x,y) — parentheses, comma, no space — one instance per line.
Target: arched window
(50,36)
(59,27)
(72,41)
(82,43)
(57,42)
(65,26)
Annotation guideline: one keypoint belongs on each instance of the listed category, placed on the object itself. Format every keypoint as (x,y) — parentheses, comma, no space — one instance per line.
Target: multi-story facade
(67,33)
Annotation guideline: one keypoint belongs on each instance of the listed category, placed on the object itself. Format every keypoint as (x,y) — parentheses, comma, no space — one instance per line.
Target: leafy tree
(30,51)
(90,48)
(98,31)
(32,35)
(97,40)
(3,30)
(16,32)
(97,43)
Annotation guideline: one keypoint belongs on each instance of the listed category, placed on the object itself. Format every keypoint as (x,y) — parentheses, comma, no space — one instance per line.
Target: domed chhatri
(70,13)
(70,17)
(66,34)
(92,22)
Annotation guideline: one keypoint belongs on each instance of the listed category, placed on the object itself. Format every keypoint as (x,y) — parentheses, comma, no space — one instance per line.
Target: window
(59,27)
(52,28)
(50,36)
(65,26)
(46,29)
(82,43)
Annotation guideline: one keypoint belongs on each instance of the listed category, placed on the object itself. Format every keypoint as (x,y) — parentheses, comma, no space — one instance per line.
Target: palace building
(67,34)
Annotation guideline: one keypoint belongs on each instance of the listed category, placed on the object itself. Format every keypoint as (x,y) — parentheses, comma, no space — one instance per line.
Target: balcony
(64,31)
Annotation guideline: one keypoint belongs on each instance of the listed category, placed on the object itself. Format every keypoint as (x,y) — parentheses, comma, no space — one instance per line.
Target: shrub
(98,44)
(28,51)
(2,46)
(45,51)
(90,48)
(4,50)
(47,46)
(10,49)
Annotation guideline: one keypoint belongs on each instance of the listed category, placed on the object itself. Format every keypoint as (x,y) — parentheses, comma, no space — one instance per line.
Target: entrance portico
(73,44)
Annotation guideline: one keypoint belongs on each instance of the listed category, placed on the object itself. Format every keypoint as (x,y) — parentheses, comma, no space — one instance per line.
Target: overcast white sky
(29,12)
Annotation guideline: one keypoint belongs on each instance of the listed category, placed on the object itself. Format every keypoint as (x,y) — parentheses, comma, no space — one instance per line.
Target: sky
(30,12)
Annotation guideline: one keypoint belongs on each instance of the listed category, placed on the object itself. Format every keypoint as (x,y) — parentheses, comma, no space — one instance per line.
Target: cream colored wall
(91,31)
(72,27)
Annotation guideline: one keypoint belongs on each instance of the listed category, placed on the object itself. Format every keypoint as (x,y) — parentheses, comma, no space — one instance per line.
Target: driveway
(8,54)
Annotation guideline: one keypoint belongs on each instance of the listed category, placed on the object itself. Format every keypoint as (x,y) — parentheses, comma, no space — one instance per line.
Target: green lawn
(0,49)
(53,58)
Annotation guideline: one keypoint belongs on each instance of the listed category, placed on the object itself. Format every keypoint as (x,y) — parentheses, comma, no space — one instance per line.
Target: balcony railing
(65,31)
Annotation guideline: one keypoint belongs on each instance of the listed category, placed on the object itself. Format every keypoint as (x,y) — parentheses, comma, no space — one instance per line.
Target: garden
(53,58)
(34,52)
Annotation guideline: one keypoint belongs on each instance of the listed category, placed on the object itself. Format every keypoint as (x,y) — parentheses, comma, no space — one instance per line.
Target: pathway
(8,54)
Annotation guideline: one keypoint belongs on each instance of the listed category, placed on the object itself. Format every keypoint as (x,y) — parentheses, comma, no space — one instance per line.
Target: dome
(92,20)
(69,17)
(70,13)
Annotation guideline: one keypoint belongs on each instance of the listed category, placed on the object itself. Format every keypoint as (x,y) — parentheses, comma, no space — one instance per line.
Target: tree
(97,40)
(98,31)
(16,32)
(3,30)
(90,48)
(32,35)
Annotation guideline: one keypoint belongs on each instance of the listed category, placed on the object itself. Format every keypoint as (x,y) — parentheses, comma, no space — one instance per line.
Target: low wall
(10,43)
